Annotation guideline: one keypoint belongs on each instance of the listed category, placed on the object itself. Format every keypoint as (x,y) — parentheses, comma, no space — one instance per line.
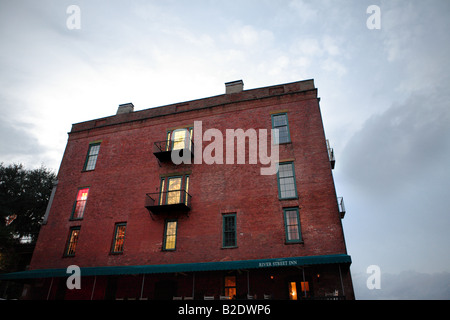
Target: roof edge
(197,104)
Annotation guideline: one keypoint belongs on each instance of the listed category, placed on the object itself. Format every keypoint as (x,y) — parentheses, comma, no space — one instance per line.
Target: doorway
(165,290)
(298,288)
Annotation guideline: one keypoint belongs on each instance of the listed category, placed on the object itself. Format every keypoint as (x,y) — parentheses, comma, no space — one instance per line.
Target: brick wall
(126,170)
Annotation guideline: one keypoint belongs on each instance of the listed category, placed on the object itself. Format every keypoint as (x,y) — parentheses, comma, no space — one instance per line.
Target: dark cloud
(394,177)
(402,146)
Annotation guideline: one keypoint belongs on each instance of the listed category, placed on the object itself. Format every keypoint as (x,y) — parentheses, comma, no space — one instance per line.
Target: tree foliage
(24,195)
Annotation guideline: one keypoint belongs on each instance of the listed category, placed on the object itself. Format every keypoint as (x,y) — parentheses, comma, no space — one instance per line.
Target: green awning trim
(183,267)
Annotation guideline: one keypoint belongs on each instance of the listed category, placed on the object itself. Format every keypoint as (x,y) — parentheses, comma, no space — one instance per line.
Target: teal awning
(184,267)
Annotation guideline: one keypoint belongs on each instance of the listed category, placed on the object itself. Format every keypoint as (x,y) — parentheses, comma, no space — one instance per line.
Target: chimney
(125,108)
(234,86)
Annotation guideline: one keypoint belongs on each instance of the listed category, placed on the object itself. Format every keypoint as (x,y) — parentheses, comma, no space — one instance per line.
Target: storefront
(293,278)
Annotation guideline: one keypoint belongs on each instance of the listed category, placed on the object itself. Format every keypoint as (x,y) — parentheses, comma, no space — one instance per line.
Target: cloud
(416,33)
(334,67)
(407,285)
(394,176)
(401,146)
(16,140)
(305,10)
(248,36)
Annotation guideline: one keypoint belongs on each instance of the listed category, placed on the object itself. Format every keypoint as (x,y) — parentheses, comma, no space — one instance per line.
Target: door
(292,290)
(111,288)
(61,289)
(165,290)
(298,289)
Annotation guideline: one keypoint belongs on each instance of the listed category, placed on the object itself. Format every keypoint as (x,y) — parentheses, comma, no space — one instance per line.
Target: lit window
(230,286)
(286,181)
(305,287)
(186,188)
(72,241)
(177,139)
(170,235)
(119,237)
(80,204)
(91,158)
(174,190)
(281,126)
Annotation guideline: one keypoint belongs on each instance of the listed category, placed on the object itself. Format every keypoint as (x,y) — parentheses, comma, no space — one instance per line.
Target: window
(174,190)
(179,137)
(305,287)
(229,231)
(72,241)
(286,181)
(170,235)
(119,238)
(230,286)
(91,158)
(80,204)
(292,225)
(280,122)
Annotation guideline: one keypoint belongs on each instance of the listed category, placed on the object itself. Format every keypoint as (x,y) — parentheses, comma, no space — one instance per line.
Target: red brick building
(142,227)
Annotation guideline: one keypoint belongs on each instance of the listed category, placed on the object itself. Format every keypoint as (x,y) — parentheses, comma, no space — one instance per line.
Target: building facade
(173,203)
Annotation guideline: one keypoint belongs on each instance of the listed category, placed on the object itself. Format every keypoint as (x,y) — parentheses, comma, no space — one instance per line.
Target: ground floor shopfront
(320,277)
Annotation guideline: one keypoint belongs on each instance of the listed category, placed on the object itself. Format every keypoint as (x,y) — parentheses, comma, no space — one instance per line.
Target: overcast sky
(384,99)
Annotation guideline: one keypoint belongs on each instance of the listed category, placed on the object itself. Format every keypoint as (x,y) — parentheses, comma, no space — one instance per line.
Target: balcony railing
(341,206)
(168,202)
(331,155)
(163,149)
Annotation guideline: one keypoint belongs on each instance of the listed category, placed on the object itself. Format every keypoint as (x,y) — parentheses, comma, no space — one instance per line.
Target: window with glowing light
(170,235)
(174,190)
(230,286)
(179,139)
(72,241)
(80,204)
(119,238)
(305,288)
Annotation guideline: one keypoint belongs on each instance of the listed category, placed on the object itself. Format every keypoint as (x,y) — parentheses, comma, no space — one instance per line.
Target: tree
(24,195)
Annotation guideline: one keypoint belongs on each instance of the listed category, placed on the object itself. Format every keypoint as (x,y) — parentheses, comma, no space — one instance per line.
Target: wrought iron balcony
(341,206)
(332,158)
(163,149)
(331,155)
(168,202)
